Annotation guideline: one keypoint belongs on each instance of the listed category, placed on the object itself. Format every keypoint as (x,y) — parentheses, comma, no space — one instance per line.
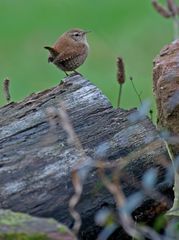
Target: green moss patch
(13,219)
(22,236)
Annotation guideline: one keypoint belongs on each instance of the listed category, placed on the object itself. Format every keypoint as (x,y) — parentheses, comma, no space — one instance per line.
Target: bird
(70,51)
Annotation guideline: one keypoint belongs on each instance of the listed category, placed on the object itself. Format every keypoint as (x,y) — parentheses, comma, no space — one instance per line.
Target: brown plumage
(70,51)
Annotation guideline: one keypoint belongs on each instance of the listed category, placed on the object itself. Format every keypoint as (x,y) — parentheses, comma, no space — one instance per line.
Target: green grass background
(127,28)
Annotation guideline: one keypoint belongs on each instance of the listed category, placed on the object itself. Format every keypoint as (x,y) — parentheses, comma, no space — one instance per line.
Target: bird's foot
(64,83)
(73,74)
(61,82)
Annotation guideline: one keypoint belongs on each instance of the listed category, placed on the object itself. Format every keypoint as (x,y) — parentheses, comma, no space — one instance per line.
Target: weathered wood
(36,159)
(19,226)
(166,90)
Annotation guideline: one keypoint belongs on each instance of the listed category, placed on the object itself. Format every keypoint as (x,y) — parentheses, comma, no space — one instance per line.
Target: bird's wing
(68,54)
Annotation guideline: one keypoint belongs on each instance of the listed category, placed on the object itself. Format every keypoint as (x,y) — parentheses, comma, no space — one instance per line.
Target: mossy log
(36,158)
(19,226)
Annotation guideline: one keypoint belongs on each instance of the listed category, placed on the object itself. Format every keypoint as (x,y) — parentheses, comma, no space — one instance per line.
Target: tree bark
(166,90)
(36,158)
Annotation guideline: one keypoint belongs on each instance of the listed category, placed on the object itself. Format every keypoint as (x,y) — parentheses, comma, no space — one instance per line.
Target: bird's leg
(77,73)
(62,81)
(66,73)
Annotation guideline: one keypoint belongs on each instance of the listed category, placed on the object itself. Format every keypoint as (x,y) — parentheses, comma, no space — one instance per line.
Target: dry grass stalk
(6,91)
(56,115)
(136,91)
(78,188)
(120,77)
(172,7)
(115,189)
(53,122)
(161,9)
(76,180)
(172,11)
(129,225)
(72,136)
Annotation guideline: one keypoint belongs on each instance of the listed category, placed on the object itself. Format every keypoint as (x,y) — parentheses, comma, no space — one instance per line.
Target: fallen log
(36,158)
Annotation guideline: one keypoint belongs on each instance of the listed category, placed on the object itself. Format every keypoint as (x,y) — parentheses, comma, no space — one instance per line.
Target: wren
(70,51)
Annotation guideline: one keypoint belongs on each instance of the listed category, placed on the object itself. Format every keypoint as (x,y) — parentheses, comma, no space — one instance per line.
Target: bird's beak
(88,31)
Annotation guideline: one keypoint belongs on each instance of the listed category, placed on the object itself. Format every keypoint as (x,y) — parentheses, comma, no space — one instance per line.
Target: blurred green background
(127,28)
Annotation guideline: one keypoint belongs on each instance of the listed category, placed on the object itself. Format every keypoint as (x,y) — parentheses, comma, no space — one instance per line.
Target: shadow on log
(36,159)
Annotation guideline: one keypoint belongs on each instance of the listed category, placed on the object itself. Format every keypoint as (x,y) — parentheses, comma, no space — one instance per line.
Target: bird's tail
(53,53)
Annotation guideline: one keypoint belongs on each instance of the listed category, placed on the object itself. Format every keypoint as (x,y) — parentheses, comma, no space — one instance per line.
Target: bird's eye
(77,34)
